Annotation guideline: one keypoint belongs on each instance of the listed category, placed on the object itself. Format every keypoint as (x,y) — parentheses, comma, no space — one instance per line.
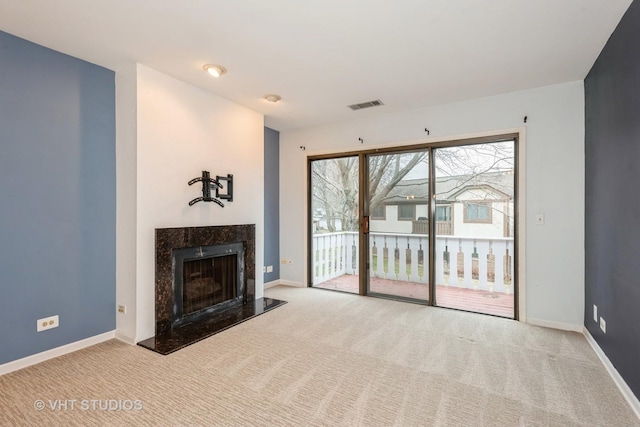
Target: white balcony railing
(468,262)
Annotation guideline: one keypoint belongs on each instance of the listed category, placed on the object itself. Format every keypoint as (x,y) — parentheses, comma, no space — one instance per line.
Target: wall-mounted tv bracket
(229,179)
(207,181)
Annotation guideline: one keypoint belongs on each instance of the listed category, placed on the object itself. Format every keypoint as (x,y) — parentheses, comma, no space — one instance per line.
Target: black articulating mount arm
(229,180)
(207,181)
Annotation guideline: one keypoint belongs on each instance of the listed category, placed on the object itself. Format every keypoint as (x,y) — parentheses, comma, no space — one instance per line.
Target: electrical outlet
(47,323)
(269,268)
(595,313)
(122,309)
(603,325)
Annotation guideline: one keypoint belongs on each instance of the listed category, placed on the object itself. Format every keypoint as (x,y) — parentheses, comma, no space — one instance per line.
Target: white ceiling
(321,56)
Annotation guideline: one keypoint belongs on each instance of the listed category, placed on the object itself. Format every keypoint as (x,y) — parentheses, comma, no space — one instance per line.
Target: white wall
(181,131)
(126,203)
(554,182)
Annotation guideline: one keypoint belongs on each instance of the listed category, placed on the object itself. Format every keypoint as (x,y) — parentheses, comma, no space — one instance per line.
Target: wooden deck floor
(479,301)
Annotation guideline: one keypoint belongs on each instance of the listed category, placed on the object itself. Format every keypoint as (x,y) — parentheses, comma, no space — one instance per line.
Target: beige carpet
(328,358)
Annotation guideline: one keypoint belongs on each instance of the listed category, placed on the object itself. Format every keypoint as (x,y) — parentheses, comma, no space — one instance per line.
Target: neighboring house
(466,205)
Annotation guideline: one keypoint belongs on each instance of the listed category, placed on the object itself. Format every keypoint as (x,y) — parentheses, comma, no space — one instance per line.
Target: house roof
(323,56)
(448,188)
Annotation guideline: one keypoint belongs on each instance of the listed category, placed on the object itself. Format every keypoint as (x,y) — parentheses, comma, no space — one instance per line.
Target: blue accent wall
(612,234)
(57,198)
(272,203)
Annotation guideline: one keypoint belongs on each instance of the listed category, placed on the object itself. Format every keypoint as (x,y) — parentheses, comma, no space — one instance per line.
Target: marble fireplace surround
(168,239)
(168,339)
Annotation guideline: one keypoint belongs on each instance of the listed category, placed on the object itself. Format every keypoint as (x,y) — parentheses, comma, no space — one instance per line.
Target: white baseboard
(55,352)
(125,338)
(555,325)
(271,284)
(292,283)
(615,375)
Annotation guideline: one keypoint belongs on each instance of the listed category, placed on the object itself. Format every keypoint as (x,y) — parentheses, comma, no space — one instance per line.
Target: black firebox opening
(207,279)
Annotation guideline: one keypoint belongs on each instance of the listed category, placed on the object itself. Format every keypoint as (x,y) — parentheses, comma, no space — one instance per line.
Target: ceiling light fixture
(272,97)
(214,70)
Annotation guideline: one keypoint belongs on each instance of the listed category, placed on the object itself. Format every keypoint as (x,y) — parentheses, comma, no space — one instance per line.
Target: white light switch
(539,219)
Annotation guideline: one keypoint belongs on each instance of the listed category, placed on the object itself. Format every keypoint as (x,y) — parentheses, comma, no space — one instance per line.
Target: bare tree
(335,181)
(387,171)
(335,185)
(335,192)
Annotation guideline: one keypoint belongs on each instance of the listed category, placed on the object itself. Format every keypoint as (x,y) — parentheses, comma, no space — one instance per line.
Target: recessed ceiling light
(272,97)
(215,70)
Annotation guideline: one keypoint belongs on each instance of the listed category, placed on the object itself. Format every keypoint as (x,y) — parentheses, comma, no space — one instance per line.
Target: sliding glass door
(475,214)
(433,223)
(398,224)
(335,216)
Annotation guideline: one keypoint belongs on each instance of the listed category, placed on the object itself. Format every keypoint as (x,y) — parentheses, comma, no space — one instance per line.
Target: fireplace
(205,283)
(206,280)
(217,265)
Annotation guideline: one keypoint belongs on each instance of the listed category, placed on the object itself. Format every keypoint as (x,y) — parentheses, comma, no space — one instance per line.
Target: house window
(443,213)
(379,212)
(477,212)
(406,212)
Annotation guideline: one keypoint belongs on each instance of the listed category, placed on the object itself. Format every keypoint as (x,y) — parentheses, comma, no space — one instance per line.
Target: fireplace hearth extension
(205,283)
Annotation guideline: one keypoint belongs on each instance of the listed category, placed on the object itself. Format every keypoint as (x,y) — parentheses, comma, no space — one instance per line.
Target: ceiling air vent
(369,104)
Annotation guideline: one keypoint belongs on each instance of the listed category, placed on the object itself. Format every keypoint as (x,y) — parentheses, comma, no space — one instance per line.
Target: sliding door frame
(310,254)
(363,208)
(395,150)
